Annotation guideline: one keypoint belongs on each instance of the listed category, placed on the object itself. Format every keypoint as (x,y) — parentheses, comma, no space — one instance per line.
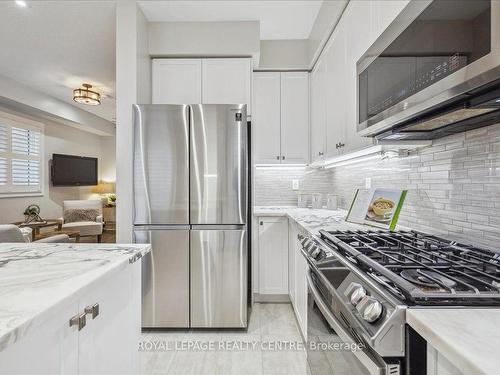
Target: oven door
(330,346)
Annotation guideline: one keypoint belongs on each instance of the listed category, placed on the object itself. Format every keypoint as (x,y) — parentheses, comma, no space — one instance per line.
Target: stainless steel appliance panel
(323,327)
(165,277)
(219,278)
(219,164)
(161,164)
(430,90)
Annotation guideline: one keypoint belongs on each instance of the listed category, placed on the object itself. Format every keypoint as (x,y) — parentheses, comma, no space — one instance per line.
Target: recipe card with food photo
(377,207)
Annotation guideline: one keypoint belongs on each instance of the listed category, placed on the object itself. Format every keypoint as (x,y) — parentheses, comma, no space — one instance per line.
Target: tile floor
(270,324)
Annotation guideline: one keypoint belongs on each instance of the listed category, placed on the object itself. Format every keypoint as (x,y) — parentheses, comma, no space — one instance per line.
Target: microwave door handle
(372,367)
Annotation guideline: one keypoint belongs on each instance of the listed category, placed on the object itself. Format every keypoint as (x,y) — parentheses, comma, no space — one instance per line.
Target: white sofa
(12,234)
(86,228)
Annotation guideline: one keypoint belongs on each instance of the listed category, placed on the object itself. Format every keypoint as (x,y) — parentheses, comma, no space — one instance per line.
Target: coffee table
(36,226)
(70,233)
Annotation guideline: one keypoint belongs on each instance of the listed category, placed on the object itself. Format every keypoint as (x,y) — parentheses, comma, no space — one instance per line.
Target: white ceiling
(55,46)
(282,19)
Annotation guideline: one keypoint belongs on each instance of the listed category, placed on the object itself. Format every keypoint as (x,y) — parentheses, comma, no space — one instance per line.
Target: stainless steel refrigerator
(191,204)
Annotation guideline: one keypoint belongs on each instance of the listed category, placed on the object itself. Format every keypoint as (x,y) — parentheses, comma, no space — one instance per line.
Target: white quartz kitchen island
(44,286)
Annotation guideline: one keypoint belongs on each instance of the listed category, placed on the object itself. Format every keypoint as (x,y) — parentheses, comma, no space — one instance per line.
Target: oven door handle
(369,364)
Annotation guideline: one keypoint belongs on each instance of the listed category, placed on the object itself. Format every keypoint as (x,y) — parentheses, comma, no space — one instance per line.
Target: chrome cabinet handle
(320,153)
(339,145)
(93,310)
(78,320)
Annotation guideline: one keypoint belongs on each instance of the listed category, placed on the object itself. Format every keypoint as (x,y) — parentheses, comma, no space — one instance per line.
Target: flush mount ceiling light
(21,3)
(86,96)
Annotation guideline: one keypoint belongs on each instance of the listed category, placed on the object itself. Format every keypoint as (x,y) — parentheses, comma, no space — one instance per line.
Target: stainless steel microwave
(433,72)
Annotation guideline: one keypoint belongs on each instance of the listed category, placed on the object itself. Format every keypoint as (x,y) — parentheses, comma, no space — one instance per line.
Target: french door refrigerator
(191,204)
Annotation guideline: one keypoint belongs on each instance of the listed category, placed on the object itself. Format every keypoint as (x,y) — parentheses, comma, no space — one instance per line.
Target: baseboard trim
(271,298)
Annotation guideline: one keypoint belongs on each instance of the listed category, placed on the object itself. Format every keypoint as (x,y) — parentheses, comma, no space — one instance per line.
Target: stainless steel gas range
(360,284)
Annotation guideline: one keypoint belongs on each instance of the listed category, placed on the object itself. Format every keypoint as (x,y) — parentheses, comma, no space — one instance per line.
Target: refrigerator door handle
(218,227)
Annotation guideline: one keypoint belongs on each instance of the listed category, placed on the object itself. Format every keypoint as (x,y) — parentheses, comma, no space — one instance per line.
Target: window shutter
(25,142)
(3,151)
(25,172)
(3,138)
(21,155)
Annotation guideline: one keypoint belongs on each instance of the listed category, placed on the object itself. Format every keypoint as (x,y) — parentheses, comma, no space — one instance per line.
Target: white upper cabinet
(336,100)
(334,77)
(227,81)
(318,110)
(205,81)
(176,81)
(281,117)
(357,25)
(267,117)
(294,117)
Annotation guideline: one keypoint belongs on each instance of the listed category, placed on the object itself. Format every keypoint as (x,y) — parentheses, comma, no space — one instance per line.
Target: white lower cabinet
(437,364)
(106,344)
(273,256)
(298,295)
(281,266)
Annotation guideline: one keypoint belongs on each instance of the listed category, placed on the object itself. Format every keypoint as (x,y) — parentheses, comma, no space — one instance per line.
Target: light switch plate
(295,184)
(368,183)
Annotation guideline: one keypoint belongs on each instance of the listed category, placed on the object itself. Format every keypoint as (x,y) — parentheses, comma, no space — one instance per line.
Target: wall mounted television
(71,170)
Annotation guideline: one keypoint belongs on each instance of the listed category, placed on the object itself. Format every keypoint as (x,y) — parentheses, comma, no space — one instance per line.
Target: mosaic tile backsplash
(454,186)
(273,186)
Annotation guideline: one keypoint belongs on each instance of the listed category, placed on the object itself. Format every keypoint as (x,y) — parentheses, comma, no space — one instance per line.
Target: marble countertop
(312,220)
(468,338)
(37,279)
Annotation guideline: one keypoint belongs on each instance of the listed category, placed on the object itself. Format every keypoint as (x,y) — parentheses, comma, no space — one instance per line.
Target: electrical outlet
(295,184)
(368,183)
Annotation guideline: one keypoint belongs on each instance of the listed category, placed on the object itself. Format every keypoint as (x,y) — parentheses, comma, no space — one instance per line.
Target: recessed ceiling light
(86,96)
(21,3)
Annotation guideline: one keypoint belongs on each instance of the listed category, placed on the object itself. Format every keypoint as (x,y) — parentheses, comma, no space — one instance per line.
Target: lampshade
(104,188)
(86,96)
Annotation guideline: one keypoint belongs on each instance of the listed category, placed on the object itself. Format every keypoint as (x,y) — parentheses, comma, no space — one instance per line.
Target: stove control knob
(357,295)
(370,309)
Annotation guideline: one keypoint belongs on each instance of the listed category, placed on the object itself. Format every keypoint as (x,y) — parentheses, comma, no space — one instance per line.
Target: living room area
(57,122)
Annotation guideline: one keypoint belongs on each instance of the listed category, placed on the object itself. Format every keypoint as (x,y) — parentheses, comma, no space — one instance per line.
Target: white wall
(284,55)
(204,39)
(133,85)
(65,140)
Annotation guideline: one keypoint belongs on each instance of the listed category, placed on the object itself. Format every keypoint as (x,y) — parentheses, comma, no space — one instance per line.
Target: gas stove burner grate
(421,268)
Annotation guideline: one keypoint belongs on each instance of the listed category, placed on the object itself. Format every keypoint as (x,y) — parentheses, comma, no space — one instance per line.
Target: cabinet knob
(278,157)
(283,157)
(93,310)
(79,320)
(261,223)
(320,153)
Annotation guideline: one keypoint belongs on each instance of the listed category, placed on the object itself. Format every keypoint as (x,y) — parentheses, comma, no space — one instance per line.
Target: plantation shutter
(20,157)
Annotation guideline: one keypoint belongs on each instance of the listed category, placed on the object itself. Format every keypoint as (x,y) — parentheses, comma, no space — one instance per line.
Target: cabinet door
(295,117)
(318,111)
(335,92)
(273,255)
(267,118)
(176,81)
(357,27)
(292,253)
(108,343)
(49,349)
(301,290)
(227,81)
